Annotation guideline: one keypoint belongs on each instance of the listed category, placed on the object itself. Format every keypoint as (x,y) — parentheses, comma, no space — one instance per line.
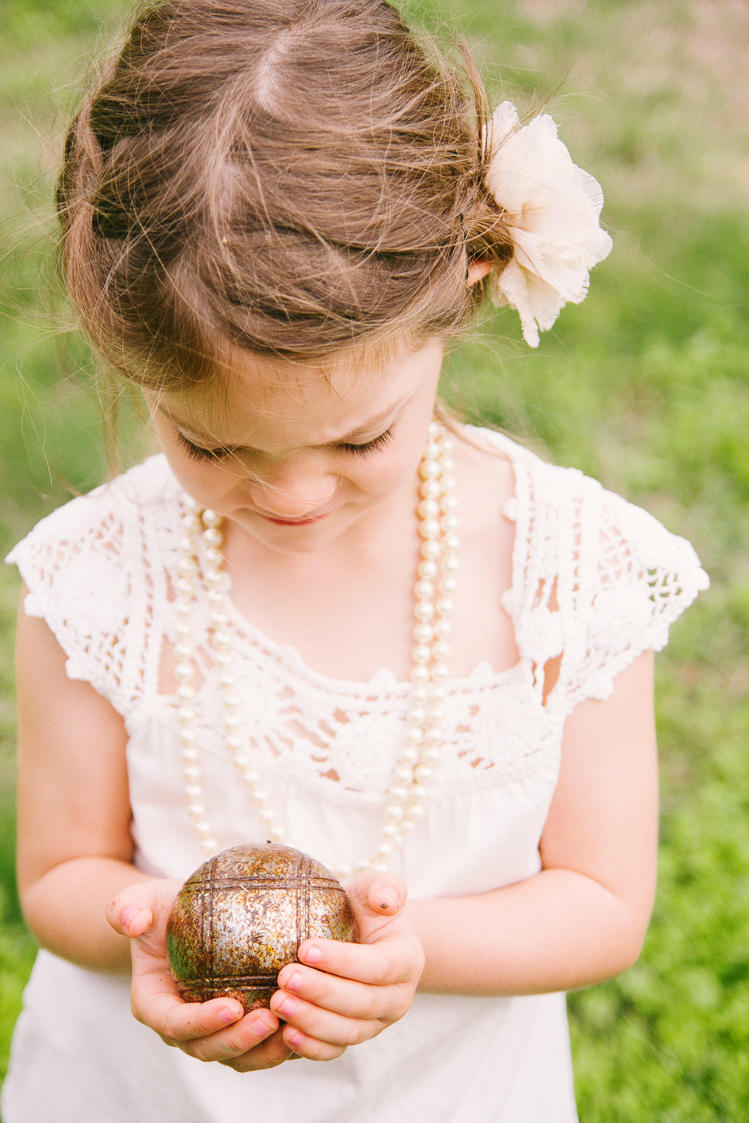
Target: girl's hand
(210,1031)
(342,994)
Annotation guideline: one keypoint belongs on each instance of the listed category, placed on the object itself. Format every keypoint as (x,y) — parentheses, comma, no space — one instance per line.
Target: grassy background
(645,386)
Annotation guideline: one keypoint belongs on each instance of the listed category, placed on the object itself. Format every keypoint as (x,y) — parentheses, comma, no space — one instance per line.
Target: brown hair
(287,176)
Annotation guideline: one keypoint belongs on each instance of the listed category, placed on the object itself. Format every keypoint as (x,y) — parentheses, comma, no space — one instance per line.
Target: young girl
(276,213)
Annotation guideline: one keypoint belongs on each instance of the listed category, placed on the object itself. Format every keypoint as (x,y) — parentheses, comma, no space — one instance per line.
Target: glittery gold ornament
(241,917)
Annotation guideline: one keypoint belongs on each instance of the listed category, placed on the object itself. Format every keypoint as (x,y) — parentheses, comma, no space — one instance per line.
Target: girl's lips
(295,522)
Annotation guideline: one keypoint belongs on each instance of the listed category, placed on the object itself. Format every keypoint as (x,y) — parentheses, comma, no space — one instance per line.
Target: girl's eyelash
(370,446)
(198,453)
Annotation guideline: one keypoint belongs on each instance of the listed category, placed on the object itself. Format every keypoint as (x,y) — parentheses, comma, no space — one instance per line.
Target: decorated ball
(241,917)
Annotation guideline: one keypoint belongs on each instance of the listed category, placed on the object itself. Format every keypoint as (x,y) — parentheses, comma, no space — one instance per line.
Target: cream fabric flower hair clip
(552,210)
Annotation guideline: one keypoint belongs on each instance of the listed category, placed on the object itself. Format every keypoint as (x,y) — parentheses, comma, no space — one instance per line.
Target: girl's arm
(583,918)
(74,841)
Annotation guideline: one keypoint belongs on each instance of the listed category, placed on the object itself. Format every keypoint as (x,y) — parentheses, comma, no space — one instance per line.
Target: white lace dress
(101,571)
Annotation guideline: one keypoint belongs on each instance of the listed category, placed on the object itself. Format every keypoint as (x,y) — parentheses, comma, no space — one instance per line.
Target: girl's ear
(477,271)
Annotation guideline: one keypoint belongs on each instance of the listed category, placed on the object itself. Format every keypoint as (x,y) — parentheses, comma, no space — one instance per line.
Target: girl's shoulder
(107,532)
(596,580)
(552,500)
(96,570)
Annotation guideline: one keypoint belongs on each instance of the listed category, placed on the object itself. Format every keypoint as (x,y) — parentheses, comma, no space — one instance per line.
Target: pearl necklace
(435,582)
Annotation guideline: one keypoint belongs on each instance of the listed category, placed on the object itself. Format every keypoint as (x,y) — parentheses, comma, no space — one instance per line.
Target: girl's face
(295,455)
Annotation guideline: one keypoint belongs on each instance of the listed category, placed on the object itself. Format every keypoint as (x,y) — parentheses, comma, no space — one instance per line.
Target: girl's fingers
(134,921)
(392,960)
(156,1001)
(233,1042)
(325,1026)
(134,911)
(165,1012)
(375,898)
(129,917)
(330,992)
(340,994)
(268,1054)
(309,1047)
(209,1031)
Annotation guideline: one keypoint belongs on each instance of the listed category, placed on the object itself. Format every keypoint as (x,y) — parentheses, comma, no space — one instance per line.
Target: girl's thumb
(128,916)
(377,895)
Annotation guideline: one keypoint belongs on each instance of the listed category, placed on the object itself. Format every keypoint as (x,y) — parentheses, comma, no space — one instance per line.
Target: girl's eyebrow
(349,438)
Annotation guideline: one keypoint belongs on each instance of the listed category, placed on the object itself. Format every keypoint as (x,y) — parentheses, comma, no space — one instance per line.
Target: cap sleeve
(90,574)
(641,579)
(603,581)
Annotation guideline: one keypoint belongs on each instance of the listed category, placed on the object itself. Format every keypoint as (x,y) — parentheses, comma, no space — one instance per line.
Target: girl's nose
(293,491)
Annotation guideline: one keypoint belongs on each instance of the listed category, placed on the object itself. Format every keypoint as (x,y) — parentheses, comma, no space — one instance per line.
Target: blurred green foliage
(645,386)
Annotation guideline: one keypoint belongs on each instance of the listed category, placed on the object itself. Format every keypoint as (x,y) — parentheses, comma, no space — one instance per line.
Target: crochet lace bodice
(596,581)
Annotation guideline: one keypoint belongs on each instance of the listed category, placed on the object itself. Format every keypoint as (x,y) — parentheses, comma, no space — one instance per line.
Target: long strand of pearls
(435,582)
(185,673)
(207,525)
(433,590)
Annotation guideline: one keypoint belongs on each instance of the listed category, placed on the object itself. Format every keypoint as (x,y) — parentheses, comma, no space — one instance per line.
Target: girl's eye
(197,453)
(370,446)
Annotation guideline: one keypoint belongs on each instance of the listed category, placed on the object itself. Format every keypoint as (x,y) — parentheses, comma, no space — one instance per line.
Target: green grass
(16,946)
(645,386)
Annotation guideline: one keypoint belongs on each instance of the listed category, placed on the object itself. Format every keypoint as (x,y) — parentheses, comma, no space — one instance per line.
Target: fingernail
(312,955)
(227,1016)
(128,916)
(287,1007)
(294,1037)
(388,899)
(294,981)
(259,1027)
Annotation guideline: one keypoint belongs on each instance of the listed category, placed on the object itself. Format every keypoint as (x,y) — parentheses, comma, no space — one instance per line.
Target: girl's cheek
(399,469)
(206,483)
(375,480)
